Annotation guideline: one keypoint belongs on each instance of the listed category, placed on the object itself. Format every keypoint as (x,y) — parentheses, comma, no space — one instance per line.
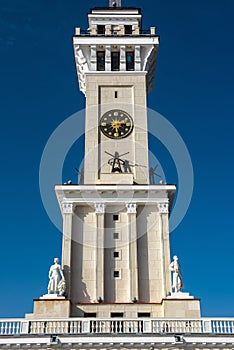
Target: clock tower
(116,286)
(115,66)
(116,249)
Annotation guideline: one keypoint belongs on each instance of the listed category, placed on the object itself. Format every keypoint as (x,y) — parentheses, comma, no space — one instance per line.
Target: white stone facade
(116,246)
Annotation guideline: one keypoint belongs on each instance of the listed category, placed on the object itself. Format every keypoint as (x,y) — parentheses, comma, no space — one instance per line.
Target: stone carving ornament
(82,67)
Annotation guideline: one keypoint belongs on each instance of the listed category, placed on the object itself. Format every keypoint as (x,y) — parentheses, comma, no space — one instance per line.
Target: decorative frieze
(163,208)
(131,208)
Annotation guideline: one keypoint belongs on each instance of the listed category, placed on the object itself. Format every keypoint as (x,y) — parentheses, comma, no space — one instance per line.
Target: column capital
(131,208)
(163,208)
(68,208)
(100,208)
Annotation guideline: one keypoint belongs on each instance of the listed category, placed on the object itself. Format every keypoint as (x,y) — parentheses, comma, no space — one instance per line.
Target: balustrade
(117,326)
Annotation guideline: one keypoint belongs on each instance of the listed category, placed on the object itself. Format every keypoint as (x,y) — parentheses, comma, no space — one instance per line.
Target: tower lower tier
(116,242)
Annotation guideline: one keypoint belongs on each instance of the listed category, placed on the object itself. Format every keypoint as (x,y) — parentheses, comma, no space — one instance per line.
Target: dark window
(128,30)
(90,314)
(114,60)
(100,60)
(116,94)
(116,235)
(143,314)
(116,275)
(115,254)
(130,60)
(116,314)
(116,217)
(101,29)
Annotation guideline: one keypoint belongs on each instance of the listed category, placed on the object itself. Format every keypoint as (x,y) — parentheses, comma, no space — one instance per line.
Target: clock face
(116,124)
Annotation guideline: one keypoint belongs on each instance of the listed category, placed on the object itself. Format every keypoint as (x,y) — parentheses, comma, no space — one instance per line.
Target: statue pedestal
(181,305)
(51,306)
(52,296)
(180,295)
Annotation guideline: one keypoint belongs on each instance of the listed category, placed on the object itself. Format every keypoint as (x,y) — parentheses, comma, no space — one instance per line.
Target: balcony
(120,326)
(142,32)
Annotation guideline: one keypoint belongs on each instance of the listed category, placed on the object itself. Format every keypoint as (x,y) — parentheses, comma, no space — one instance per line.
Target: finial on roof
(114,3)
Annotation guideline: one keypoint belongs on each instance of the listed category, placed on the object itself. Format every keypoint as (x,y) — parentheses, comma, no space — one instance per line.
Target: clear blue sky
(193,89)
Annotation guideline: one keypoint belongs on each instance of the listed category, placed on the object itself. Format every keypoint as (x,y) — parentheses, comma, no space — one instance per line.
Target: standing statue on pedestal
(57,282)
(177,281)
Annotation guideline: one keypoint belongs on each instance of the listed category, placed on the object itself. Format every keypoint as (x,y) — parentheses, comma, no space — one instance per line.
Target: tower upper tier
(115,41)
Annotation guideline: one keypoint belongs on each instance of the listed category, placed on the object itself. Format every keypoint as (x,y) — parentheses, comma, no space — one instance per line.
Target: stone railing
(97,326)
(143,32)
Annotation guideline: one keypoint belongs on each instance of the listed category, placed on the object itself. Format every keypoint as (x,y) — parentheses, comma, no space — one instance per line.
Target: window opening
(100,60)
(130,60)
(115,61)
(143,314)
(128,29)
(101,29)
(116,274)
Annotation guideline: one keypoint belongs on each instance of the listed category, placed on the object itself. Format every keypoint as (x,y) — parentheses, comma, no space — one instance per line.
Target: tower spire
(114,3)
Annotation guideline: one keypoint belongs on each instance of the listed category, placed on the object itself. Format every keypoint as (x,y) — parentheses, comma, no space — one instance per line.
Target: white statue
(57,282)
(177,281)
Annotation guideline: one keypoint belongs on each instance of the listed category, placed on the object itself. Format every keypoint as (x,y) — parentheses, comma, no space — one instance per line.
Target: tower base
(169,308)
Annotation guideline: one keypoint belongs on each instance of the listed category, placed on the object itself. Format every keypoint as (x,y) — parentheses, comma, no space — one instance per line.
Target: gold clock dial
(116,124)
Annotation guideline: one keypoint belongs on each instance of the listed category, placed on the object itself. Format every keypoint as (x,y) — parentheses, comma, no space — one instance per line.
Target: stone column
(121,29)
(93,30)
(100,214)
(68,210)
(163,209)
(132,235)
(108,57)
(137,58)
(136,30)
(152,30)
(93,57)
(108,29)
(122,58)
(77,31)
